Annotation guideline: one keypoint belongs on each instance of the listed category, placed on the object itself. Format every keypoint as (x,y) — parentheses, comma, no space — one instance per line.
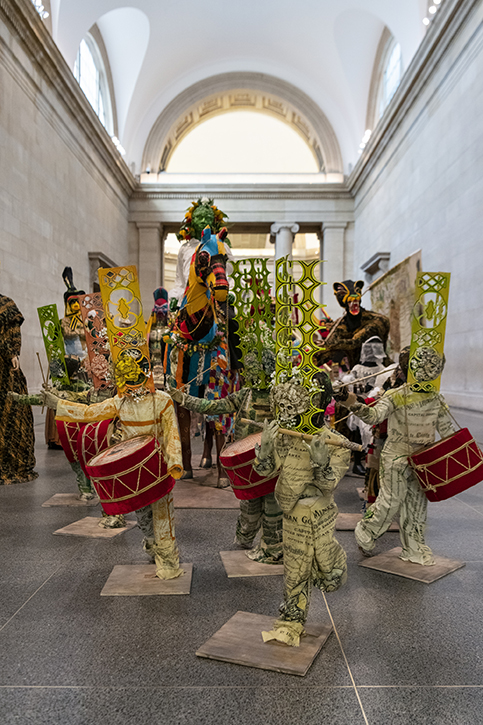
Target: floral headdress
(187,231)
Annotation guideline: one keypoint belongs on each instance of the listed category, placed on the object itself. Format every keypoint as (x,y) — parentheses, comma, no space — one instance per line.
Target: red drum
(237,459)
(93,439)
(130,475)
(68,434)
(449,466)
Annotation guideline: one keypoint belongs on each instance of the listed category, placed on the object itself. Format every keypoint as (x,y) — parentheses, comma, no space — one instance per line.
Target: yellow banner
(126,329)
(428,327)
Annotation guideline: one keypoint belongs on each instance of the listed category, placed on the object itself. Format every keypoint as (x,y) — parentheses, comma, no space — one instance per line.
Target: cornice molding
(25,24)
(240,191)
(450,19)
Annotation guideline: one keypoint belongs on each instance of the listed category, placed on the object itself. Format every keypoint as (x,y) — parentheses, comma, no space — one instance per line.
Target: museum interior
(242,403)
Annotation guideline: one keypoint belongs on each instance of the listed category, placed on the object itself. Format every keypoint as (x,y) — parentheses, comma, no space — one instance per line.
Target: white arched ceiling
(297,43)
(126,35)
(236,91)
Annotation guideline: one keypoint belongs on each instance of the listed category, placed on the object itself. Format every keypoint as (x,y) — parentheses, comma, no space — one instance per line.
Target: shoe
(358,469)
(364,552)
(87,496)
(206,462)
(185,475)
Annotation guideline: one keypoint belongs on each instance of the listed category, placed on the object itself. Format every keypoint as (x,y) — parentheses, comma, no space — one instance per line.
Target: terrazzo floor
(402,651)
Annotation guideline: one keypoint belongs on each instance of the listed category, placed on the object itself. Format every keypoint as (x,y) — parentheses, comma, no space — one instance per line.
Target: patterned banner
(97,342)
(54,344)
(428,327)
(255,319)
(126,329)
(297,289)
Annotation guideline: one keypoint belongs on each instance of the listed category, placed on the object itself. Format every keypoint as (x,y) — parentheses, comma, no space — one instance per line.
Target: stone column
(284,234)
(332,254)
(150,268)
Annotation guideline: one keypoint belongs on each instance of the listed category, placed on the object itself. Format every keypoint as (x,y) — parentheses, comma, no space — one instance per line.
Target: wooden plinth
(240,642)
(89,528)
(360,492)
(348,522)
(140,580)
(237,564)
(69,499)
(390,563)
(192,495)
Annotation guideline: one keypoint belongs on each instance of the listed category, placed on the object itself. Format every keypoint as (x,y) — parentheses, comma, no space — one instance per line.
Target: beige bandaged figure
(312,556)
(152,414)
(413,419)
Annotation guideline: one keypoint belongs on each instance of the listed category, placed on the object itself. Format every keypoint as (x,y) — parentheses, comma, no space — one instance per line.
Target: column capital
(291,226)
(333,225)
(149,225)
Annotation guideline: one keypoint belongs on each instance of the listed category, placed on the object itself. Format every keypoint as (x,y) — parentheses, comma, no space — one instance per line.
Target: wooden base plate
(240,642)
(89,528)
(390,563)
(69,499)
(140,580)
(360,492)
(238,564)
(191,495)
(348,522)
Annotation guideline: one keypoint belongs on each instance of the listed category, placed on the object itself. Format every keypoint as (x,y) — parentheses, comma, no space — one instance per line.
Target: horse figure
(197,356)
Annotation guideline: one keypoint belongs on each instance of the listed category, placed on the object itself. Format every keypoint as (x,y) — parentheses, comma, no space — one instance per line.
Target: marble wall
(63,192)
(420,186)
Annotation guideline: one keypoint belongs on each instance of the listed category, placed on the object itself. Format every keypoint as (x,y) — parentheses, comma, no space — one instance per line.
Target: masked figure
(198,353)
(357,325)
(17,460)
(412,422)
(308,475)
(157,329)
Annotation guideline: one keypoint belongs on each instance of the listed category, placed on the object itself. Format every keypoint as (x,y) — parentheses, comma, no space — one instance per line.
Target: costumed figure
(17,460)
(345,341)
(412,421)
(308,475)
(357,325)
(197,355)
(258,511)
(157,328)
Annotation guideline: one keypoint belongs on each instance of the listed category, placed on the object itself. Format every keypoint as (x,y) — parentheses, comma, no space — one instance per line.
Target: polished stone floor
(402,651)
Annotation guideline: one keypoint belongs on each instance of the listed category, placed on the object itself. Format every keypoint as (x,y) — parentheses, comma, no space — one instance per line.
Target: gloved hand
(176,394)
(50,400)
(270,432)
(173,304)
(13,396)
(319,451)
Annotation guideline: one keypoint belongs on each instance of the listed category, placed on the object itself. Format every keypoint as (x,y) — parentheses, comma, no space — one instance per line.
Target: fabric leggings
(255,513)
(83,483)
(156,521)
(400,493)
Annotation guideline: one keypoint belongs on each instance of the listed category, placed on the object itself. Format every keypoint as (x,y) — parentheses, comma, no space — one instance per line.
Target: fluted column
(332,254)
(150,268)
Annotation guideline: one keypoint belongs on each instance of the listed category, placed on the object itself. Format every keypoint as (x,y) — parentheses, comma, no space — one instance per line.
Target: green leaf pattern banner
(54,344)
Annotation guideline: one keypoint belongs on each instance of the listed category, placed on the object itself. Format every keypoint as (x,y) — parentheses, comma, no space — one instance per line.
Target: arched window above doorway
(90,72)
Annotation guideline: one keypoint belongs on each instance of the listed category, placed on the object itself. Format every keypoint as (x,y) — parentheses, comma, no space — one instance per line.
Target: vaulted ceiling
(160,48)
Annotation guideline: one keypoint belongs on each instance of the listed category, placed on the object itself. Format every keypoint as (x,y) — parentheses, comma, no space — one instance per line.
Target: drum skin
(246,483)
(130,475)
(449,466)
(69,434)
(93,439)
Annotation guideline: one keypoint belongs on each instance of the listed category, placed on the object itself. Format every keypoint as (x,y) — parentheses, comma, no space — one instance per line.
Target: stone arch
(242,91)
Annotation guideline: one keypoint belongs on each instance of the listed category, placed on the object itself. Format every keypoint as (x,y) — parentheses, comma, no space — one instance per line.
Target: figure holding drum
(413,419)
(139,472)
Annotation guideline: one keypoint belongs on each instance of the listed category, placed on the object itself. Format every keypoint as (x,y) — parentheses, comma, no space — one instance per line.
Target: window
(90,73)
(391,76)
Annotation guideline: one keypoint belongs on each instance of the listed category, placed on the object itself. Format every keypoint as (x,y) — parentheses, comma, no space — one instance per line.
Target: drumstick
(391,367)
(43,377)
(337,442)
(212,365)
